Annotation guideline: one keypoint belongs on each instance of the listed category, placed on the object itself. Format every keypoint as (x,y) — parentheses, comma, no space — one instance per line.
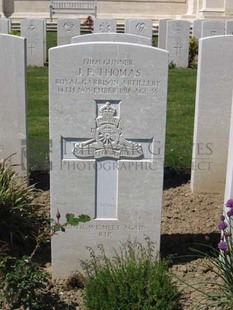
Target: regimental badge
(108,139)
(68,27)
(31,27)
(141,27)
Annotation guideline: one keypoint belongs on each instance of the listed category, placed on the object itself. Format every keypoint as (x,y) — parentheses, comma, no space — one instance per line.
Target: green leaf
(71,219)
(56,227)
(74,221)
(84,218)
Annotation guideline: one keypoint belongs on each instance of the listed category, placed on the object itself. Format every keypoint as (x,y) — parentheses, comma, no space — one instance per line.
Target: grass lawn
(180,116)
(38,117)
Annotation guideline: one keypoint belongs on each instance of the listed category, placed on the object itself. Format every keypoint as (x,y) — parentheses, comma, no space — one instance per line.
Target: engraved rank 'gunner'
(108,139)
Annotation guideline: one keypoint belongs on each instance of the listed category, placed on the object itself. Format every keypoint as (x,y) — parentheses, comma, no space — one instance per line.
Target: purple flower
(222,225)
(222,245)
(230,212)
(229,203)
(222,217)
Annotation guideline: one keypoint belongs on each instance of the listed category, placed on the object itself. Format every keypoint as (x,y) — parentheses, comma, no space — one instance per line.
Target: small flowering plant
(221,263)
(223,259)
(225,226)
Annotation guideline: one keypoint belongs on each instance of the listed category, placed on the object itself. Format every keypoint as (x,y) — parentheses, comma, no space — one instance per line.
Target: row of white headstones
(173,35)
(107,127)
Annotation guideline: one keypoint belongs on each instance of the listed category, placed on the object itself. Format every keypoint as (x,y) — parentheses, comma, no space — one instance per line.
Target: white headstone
(2,7)
(212,28)
(104,25)
(229,27)
(112,37)
(107,125)
(66,29)
(5,25)
(177,42)
(162,33)
(141,27)
(45,40)
(212,114)
(229,173)
(34,31)
(13,131)
(197,27)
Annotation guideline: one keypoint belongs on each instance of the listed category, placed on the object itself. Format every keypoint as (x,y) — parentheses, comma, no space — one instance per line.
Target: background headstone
(162,33)
(104,25)
(177,42)
(112,37)
(229,27)
(13,130)
(212,114)
(5,25)
(141,27)
(1,9)
(212,28)
(197,27)
(229,173)
(107,124)
(66,29)
(34,31)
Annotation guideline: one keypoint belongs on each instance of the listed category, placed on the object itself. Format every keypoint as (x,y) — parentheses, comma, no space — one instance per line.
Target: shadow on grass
(40,179)
(175,178)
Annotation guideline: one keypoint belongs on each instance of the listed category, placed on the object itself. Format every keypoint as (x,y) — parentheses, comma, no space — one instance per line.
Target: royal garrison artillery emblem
(108,139)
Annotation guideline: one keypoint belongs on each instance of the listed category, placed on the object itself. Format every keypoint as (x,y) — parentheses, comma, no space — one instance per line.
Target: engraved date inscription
(108,76)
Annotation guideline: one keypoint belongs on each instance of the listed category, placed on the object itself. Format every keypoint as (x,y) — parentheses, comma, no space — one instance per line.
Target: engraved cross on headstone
(107,147)
(31,48)
(178,47)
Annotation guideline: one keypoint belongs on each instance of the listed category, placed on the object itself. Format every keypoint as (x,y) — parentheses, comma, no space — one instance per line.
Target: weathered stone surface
(5,25)
(13,129)
(104,25)
(212,114)
(177,42)
(141,27)
(162,33)
(197,28)
(107,126)
(66,29)
(34,30)
(212,28)
(112,37)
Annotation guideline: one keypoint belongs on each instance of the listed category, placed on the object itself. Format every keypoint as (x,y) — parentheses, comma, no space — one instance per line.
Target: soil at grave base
(187,219)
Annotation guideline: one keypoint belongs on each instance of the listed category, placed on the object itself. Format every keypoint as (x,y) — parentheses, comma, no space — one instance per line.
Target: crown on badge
(107,115)
(107,109)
